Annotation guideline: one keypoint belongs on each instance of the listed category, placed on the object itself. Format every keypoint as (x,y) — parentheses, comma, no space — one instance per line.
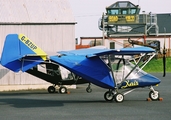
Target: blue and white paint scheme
(111,69)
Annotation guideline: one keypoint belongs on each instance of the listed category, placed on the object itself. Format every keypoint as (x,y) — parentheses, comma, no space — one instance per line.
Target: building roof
(122,4)
(35,11)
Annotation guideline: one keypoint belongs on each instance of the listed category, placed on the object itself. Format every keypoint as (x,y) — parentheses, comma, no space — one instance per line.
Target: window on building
(112,45)
(133,11)
(113,12)
(124,12)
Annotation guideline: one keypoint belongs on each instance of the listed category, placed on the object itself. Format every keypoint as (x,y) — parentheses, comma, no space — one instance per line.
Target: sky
(88,12)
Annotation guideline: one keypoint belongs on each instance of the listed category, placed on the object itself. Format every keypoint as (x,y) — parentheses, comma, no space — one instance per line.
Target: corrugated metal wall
(48,23)
(48,37)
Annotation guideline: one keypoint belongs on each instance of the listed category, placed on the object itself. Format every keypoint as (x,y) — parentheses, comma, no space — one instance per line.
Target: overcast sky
(88,12)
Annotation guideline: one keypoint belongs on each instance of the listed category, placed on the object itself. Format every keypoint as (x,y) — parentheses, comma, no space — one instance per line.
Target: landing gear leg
(88,89)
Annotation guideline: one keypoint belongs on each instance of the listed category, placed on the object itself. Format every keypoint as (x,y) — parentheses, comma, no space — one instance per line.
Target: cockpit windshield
(123,69)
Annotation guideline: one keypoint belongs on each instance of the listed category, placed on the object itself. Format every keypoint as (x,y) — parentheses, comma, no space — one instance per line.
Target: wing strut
(134,67)
(109,60)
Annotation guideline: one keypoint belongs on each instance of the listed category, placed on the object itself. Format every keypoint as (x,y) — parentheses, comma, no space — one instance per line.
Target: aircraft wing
(91,52)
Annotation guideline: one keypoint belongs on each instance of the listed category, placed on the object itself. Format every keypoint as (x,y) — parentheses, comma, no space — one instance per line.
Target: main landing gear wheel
(63,90)
(108,96)
(51,89)
(154,95)
(119,97)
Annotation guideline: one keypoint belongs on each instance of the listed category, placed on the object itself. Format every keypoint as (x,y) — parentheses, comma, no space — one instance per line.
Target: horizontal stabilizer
(20,53)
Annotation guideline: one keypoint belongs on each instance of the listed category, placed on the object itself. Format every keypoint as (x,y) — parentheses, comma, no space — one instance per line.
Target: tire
(51,89)
(88,89)
(119,97)
(108,96)
(154,96)
(63,90)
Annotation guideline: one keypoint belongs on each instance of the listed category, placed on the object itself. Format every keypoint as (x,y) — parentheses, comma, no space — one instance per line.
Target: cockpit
(122,68)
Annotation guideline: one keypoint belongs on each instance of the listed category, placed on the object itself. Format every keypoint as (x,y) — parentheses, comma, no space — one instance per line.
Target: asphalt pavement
(80,105)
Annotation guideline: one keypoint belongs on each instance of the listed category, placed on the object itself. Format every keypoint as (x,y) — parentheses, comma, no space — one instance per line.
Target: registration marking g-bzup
(28,43)
(32,46)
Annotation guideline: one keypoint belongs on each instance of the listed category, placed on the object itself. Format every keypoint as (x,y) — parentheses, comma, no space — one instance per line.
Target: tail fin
(20,53)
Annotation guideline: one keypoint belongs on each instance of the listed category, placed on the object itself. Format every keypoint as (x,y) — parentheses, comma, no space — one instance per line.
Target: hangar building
(48,23)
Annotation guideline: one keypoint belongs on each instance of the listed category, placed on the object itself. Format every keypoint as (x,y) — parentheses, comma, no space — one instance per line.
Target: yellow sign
(112,18)
(32,46)
(130,18)
(121,18)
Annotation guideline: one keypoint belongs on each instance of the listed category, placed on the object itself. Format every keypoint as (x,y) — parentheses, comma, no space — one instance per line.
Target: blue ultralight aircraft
(114,69)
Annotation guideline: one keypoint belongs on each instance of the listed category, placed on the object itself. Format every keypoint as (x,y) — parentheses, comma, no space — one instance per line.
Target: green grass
(156,65)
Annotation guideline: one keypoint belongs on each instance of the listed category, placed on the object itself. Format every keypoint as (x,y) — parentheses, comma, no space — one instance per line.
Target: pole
(103,40)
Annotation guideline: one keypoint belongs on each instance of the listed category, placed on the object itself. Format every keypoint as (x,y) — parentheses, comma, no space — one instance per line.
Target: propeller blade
(135,42)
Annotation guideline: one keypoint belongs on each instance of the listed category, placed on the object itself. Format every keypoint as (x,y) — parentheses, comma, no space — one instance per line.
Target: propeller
(135,42)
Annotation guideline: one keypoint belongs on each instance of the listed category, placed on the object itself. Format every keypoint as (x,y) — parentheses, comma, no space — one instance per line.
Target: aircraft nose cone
(151,80)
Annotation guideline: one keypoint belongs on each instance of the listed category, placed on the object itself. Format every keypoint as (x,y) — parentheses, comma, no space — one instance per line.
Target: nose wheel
(154,95)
